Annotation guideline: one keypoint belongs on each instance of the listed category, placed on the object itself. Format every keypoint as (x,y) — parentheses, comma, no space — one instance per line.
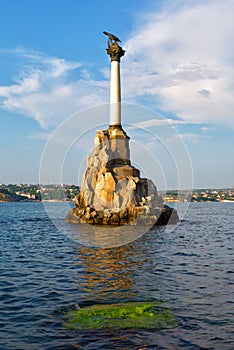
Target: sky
(177,88)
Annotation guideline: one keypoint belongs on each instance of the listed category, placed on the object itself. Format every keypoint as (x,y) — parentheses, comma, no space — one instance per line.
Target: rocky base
(168,216)
(112,191)
(132,216)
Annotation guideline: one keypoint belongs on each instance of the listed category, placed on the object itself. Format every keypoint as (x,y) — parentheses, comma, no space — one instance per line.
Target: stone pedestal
(112,191)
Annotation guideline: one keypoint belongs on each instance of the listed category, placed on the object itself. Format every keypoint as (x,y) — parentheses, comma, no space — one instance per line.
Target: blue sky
(179,62)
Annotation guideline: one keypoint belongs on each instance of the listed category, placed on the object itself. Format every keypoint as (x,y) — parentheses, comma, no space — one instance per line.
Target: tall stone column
(116,52)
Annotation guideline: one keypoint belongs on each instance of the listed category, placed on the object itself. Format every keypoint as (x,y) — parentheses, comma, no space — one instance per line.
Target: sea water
(45,273)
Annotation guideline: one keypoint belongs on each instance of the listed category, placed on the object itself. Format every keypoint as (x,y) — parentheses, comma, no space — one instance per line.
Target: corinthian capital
(115,52)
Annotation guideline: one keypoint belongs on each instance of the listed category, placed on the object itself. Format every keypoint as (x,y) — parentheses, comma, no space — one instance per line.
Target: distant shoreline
(67,193)
(72,201)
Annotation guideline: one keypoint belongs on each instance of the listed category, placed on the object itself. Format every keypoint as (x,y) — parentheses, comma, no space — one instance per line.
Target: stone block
(107,213)
(114,220)
(107,197)
(102,169)
(79,211)
(103,155)
(100,214)
(125,171)
(77,202)
(123,213)
(93,214)
(131,185)
(116,202)
(119,151)
(110,184)
(121,184)
(81,200)
(84,185)
(132,213)
(100,183)
(98,203)
(88,197)
(99,138)
(96,162)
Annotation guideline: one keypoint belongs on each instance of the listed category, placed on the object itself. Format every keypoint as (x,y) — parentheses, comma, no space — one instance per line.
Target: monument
(112,191)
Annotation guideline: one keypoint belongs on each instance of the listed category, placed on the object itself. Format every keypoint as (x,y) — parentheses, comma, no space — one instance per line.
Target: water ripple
(44,275)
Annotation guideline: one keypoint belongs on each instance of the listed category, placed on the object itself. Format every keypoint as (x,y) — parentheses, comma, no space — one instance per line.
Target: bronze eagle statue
(111,38)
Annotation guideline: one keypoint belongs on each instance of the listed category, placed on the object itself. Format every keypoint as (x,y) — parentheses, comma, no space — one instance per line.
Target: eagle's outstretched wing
(112,37)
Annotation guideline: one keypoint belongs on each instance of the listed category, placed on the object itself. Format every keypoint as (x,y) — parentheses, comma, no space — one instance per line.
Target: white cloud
(46,90)
(206,129)
(183,57)
(163,122)
(180,59)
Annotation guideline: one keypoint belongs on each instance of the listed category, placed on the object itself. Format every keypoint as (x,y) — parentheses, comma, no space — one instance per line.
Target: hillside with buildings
(6,196)
(201,195)
(30,192)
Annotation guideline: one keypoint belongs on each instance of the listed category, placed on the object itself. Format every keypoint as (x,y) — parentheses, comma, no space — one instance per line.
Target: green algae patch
(124,315)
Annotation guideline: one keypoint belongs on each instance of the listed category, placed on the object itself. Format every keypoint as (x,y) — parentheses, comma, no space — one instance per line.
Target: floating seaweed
(141,315)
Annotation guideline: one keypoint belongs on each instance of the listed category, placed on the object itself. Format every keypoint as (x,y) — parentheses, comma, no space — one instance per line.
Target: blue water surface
(44,274)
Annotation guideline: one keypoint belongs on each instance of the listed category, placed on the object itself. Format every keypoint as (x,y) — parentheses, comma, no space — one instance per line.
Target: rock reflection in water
(106,236)
(111,272)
